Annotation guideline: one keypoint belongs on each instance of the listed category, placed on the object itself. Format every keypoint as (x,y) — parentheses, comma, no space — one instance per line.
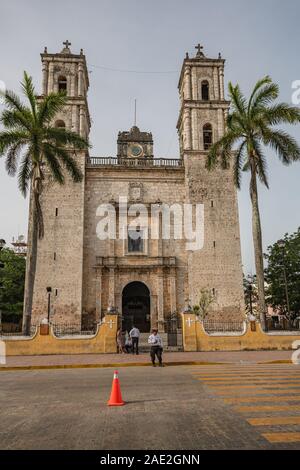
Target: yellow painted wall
(196,339)
(103,342)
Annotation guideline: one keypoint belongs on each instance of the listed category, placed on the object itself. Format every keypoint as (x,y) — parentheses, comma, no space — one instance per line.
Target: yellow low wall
(104,341)
(195,338)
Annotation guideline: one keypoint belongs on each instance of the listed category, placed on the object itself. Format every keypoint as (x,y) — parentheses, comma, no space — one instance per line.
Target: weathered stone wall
(60,252)
(218,265)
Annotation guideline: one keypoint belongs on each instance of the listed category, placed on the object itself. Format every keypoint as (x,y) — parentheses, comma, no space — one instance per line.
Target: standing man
(135,336)
(156,347)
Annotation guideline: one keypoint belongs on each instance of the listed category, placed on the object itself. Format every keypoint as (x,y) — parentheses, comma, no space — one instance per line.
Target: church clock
(135,144)
(136,150)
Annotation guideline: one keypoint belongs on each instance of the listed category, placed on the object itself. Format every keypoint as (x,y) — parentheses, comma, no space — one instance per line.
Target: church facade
(144,279)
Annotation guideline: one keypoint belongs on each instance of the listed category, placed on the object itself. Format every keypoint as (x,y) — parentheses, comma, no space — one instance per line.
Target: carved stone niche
(135,192)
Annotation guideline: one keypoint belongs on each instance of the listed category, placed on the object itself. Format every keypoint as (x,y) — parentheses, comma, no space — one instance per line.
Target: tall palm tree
(252,125)
(33,149)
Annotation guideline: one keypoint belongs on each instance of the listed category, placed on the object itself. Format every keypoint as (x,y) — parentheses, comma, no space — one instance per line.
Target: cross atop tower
(199,50)
(66,49)
(67,44)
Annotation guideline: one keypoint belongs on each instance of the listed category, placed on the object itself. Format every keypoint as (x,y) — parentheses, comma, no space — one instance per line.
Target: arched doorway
(136,306)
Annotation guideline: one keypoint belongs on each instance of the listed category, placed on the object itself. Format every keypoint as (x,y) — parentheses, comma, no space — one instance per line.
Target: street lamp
(49,290)
(281,244)
(250,289)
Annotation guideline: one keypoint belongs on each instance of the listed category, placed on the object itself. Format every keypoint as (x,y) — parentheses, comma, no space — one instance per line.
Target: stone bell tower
(68,72)
(217,266)
(60,253)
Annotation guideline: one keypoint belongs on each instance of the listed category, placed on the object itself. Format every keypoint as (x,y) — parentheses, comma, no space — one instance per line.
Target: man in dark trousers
(156,347)
(135,336)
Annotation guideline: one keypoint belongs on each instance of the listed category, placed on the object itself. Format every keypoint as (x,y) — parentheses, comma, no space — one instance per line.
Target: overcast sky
(124,37)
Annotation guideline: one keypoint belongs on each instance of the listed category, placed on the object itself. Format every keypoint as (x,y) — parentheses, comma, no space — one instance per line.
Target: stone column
(221,74)
(187,83)
(75,127)
(220,123)
(98,291)
(187,129)
(72,81)
(111,288)
(194,85)
(45,78)
(51,78)
(194,130)
(160,301)
(172,289)
(216,84)
(80,80)
(81,121)
(159,241)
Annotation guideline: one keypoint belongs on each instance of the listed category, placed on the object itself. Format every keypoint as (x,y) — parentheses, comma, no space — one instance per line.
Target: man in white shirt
(135,336)
(156,347)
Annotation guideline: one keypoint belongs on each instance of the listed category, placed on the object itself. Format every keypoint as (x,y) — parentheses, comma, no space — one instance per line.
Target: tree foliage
(283,275)
(12,277)
(250,294)
(206,299)
(253,125)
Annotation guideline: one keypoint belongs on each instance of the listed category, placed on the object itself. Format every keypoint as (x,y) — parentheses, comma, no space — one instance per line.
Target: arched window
(60,124)
(205,90)
(207,136)
(62,83)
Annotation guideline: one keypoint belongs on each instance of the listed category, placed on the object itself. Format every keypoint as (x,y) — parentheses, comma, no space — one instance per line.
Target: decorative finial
(135,113)
(81,51)
(220,55)
(199,51)
(187,55)
(45,50)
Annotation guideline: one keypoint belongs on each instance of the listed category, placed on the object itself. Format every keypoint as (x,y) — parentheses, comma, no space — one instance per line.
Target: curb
(131,364)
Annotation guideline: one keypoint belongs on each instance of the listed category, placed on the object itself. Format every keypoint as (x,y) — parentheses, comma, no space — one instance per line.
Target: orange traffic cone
(116,396)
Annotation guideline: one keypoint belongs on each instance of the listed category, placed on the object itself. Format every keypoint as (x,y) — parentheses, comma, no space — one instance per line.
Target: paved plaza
(229,406)
(235,357)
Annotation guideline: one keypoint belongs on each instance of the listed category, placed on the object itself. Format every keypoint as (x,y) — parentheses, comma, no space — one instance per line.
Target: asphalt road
(200,407)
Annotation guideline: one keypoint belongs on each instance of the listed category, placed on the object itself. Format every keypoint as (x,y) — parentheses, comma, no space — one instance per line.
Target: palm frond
(16,120)
(8,138)
(260,83)
(53,163)
(13,102)
(24,174)
(68,162)
(220,152)
(64,137)
(282,113)
(285,145)
(261,164)
(29,92)
(13,153)
(263,97)
(238,101)
(50,106)
(238,163)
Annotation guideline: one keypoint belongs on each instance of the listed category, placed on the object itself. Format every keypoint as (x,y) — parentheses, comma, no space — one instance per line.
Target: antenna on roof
(135,112)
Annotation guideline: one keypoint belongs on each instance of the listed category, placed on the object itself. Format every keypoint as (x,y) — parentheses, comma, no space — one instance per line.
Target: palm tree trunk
(31,270)
(258,250)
